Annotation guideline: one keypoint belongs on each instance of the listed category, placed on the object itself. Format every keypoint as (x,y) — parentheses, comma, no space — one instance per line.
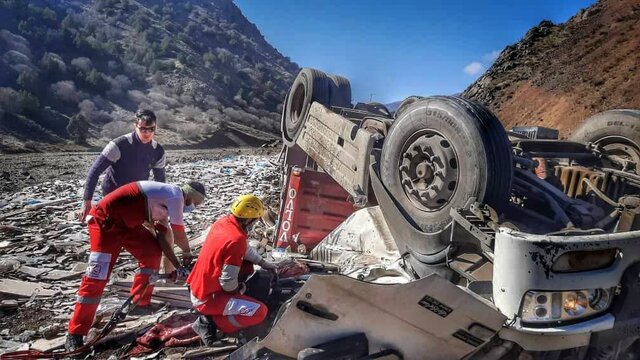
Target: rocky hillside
(76,70)
(558,75)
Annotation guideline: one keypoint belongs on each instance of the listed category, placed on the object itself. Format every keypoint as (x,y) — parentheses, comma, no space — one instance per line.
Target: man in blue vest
(126,159)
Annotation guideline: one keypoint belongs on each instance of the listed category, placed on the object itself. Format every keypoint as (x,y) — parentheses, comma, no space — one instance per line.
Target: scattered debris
(44,249)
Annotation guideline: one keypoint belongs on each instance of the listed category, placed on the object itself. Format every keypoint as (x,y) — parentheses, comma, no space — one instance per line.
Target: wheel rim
(429,170)
(297,108)
(622,147)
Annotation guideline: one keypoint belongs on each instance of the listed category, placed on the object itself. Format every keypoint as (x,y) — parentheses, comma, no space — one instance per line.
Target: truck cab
(539,233)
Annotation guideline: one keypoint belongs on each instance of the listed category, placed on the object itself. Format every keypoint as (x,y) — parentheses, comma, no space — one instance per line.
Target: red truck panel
(314,205)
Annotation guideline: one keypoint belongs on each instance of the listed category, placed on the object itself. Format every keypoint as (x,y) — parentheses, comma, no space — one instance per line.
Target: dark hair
(197,187)
(146,116)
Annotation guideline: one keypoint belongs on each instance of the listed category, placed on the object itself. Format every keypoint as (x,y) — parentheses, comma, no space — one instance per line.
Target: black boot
(73,343)
(206,329)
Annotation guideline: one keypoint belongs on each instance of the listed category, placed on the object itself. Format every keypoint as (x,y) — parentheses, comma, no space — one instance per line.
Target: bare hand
(84,211)
(187,259)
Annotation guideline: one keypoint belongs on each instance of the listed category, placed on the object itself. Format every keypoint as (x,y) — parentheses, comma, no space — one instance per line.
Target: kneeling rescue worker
(136,217)
(216,292)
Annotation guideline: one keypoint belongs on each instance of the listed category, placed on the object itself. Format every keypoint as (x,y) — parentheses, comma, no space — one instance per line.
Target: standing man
(216,292)
(116,223)
(127,158)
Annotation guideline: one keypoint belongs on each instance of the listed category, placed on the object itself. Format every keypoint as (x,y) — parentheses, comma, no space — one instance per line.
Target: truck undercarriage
(516,243)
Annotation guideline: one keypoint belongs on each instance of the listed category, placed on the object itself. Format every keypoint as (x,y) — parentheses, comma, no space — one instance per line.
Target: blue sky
(392,49)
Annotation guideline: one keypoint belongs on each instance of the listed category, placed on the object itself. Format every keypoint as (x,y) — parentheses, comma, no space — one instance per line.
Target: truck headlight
(554,306)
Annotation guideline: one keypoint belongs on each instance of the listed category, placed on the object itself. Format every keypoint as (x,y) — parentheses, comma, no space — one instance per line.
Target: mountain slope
(196,63)
(558,75)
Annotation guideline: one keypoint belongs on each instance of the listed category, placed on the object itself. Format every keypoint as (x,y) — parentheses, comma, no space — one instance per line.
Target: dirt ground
(25,318)
(20,170)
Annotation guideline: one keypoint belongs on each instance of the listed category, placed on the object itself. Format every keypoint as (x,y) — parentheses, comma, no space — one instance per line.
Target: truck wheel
(441,152)
(310,85)
(405,103)
(616,131)
(340,91)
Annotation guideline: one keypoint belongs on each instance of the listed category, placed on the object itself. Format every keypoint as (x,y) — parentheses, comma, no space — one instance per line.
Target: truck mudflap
(427,316)
(340,147)
(525,262)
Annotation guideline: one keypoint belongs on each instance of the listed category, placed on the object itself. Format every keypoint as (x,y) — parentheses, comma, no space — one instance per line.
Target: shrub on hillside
(15,42)
(52,63)
(19,102)
(115,129)
(82,63)
(27,79)
(78,128)
(66,91)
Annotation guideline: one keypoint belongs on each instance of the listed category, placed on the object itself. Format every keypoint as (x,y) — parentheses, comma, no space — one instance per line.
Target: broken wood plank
(37,206)
(175,295)
(55,275)
(24,289)
(208,351)
(8,304)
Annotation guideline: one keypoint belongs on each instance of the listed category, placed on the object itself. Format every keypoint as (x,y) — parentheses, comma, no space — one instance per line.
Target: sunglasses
(146,129)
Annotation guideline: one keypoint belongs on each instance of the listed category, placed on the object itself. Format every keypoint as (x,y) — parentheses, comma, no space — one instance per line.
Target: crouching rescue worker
(140,217)
(216,292)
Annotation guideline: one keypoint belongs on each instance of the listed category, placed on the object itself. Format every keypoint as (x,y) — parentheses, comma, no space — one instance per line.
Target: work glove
(180,273)
(268,266)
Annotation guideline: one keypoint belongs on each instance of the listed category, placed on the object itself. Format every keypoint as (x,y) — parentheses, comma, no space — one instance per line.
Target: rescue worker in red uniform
(216,292)
(114,223)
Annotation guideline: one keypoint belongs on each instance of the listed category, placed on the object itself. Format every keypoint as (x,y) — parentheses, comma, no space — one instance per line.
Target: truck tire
(340,91)
(441,152)
(616,131)
(405,103)
(310,85)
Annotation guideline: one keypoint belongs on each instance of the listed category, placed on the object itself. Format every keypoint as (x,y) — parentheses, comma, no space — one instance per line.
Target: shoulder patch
(154,144)
(161,162)
(129,137)
(111,151)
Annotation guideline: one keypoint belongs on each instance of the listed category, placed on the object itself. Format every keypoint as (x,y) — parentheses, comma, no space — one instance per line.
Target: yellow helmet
(247,206)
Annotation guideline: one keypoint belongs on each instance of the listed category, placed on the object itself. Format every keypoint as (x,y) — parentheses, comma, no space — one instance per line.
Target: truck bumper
(524,262)
(557,338)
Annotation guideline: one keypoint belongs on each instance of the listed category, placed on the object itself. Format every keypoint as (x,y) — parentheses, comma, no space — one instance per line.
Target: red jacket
(226,244)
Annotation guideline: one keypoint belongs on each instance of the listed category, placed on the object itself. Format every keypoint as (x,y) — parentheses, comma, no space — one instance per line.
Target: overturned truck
(516,242)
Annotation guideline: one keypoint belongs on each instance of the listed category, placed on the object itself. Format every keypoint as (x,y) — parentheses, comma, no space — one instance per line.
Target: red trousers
(106,244)
(233,311)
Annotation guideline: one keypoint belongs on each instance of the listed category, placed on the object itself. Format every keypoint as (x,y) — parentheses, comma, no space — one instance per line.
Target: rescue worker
(126,159)
(114,223)
(216,292)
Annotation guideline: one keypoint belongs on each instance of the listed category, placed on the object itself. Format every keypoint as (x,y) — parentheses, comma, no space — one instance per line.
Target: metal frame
(340,147)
